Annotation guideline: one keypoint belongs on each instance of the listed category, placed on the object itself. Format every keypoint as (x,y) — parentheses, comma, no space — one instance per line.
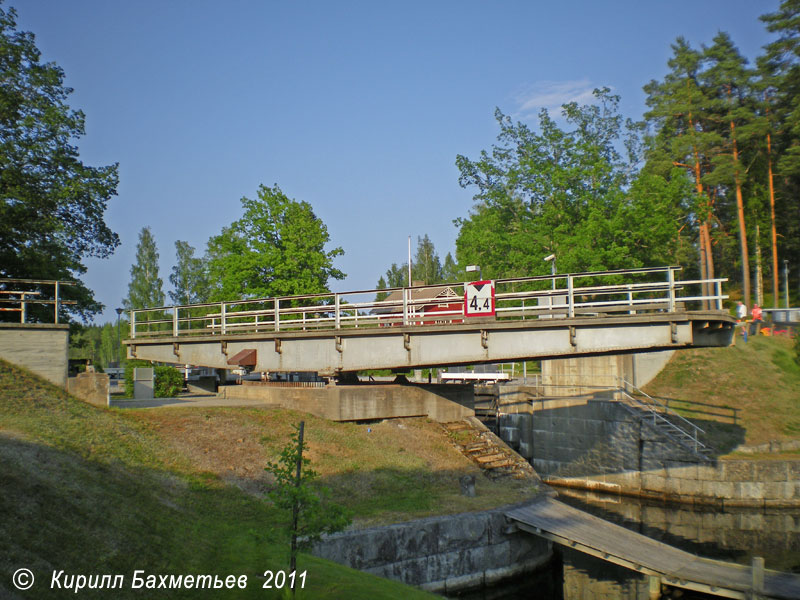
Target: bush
(169,381)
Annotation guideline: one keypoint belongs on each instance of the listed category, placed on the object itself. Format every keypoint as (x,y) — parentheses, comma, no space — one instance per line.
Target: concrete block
(738,470)
(749,490)
(771,471)
(654,483)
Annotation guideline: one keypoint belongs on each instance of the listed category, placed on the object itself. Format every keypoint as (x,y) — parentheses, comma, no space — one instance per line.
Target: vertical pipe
(570,296)
(175,321)
(56,302)
(671,283)
(277,309)
(409,261)
(133,324)
(405,306)
(337,314)
(222,317)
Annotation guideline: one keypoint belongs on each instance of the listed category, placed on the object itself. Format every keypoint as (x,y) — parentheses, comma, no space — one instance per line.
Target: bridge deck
(576,529)
(527,318)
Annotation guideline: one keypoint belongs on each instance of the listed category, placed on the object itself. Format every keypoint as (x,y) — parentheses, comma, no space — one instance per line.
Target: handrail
(651,406)
(25,296)
(557,296)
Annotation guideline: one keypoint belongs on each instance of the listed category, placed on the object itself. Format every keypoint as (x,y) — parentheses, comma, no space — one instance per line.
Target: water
(734,535)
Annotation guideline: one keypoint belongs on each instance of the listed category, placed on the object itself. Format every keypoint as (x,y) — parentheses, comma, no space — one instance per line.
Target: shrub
(169,381)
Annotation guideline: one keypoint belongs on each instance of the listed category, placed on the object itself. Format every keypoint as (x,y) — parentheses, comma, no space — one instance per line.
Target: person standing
(741,318)
(757,318)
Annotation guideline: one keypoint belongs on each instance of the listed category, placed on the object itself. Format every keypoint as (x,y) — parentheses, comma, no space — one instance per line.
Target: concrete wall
(591,443)
(445,402)
(90,387)
(576,376)
(40,348)
(441,554)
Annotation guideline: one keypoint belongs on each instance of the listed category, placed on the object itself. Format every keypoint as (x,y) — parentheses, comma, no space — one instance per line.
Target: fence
(13,298)
(547,297)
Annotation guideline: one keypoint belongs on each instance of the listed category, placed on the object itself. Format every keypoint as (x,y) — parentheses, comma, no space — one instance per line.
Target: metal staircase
(664,420)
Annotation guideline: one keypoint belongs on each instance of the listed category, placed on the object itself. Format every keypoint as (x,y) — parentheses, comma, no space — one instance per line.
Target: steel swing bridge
(531,318)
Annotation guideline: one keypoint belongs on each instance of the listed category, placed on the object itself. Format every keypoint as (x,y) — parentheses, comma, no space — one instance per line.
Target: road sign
(479,299)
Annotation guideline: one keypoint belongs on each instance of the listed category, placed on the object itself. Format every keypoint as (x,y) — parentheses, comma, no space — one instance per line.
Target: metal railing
(15,299)
(686,431)
(545,297)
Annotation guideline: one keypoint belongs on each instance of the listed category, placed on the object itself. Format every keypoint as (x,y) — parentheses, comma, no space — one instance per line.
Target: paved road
(191,401)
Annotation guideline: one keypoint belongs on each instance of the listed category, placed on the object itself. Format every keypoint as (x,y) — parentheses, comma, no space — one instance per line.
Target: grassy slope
(176,491)
(759,378)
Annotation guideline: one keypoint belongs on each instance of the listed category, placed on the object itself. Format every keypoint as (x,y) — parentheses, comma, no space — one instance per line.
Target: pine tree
(727,84)
(426,266)
(145,289)
(684,136)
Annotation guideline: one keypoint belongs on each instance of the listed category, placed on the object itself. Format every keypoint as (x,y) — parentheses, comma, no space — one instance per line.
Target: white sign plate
(479,299)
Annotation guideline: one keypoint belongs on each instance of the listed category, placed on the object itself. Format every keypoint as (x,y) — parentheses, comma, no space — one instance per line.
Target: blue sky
(358,108)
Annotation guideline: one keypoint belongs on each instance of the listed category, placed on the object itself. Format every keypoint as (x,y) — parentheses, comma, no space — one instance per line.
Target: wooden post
(655,587)
(758,576)
(295,507)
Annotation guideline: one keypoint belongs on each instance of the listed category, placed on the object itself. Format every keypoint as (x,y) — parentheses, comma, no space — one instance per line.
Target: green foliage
(568,192)
(145,289)
(99,343)
(51,204)
(168,380)
(797,348)
(276,249)
(316,514)
(189,276)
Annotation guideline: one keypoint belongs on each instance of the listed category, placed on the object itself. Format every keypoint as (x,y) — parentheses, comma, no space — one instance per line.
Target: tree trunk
(742,227)
(775,273)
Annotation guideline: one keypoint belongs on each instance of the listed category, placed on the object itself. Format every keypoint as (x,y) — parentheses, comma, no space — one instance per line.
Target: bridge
(503,320)
(573,528)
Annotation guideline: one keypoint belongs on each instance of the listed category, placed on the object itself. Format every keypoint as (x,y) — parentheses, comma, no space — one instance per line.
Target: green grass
(760,379)
(97,491)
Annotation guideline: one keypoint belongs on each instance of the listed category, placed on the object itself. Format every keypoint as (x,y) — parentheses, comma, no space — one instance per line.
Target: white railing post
(222,317)
(570,297)
(133,324)
(55,304)
(337,314)
(718,293)
(175,321)
(405,306)
(671,283)
(277,310)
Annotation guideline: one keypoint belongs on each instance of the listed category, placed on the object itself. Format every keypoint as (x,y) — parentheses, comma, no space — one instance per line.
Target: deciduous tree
(276,249)
(52,205)
(145,289)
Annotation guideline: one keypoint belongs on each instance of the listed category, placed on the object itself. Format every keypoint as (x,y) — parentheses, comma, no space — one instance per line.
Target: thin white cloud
(552,95)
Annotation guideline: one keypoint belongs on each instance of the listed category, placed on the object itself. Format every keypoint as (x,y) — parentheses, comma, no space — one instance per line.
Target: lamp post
(119,312)
(552,260)
(786,279)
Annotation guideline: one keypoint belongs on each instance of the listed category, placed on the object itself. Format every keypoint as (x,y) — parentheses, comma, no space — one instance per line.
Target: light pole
(119,312)
(786,279)
(552,260)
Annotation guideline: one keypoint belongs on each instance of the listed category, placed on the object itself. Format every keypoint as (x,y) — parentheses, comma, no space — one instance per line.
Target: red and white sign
(479,299)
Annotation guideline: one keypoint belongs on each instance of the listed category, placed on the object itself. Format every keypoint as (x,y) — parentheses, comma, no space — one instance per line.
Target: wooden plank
(585,532)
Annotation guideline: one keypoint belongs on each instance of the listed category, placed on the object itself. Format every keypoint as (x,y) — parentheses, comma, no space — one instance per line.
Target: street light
(552,260)
(119,312)
(475,268)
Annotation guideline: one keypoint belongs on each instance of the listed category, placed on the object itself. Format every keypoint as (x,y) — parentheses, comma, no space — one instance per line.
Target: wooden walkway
(576,529)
